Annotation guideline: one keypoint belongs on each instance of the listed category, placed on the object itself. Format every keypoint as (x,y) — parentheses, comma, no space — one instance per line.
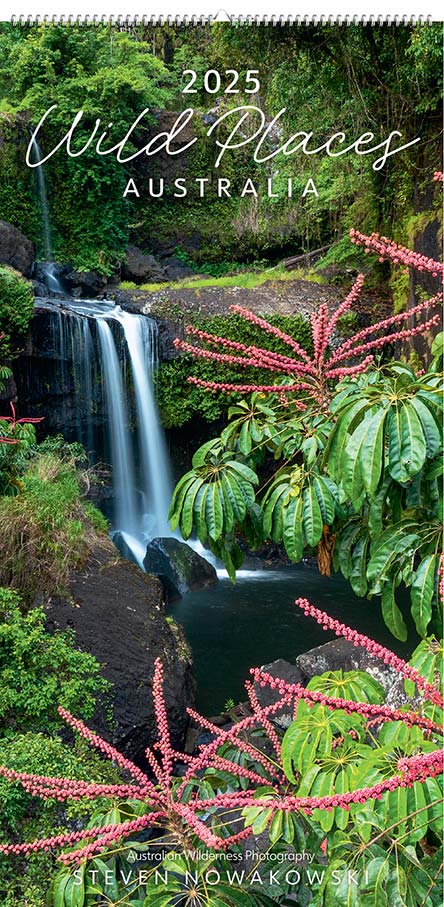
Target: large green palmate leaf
(371,454)
(325,491)
(407,444)
(358,573)
(214,513)
(311,516)
(351,470)
(429,418)
(355,685)
(345,541)
(293,534)
(200,458)
(179,495)
(233,493)
(388,546)
(186,515)
(391,613)
(274,504)
(310,737)
(422,591)
(199,514)
(347,420)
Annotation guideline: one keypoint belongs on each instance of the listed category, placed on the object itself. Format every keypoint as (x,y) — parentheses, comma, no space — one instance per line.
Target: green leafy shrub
(17,437)
(16,308)
(46,530)
(23,816)
(41,670)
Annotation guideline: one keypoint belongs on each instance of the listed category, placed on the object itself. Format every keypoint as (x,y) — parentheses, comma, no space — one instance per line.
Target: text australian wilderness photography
(221,396)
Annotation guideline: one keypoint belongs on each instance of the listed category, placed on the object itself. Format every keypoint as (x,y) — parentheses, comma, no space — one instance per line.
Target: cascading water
(140,335)
(47,266)
(94,343)
(123,473)
(97,344)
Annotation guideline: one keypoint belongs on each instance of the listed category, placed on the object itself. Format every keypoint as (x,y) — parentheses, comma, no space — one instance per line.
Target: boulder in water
(282,670)
(16,250)
(178,567)
(341,654)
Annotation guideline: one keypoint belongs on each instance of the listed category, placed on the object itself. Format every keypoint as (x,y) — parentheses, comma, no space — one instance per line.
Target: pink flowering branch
(62,789)
(13,421)
(368,710)
(388,249)
(413,769)
(164,743)
(429,691)
(271,329)
(258,711)
(313,375)
(354,342)
(105,747)
(164,801)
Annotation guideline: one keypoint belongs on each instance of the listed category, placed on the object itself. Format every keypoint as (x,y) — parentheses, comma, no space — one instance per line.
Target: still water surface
(234,627)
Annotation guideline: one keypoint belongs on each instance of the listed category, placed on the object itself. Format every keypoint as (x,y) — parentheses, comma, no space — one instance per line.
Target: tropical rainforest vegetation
(328,79)
(327,443)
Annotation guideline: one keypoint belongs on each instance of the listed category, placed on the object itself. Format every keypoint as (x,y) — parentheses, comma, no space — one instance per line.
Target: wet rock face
(16,250)
(46,384)
(118,614)
(284,670)
(139,266)
(85,283)
(179,568)
(340,654)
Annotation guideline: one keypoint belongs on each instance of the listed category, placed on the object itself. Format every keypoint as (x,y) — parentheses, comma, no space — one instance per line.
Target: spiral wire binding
(125,22)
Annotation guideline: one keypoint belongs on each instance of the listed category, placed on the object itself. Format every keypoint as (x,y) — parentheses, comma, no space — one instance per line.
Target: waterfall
(99,347)
(139,336)
(47,267)
(122,463)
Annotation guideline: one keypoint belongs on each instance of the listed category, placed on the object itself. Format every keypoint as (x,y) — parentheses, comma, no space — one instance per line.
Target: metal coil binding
(129,21)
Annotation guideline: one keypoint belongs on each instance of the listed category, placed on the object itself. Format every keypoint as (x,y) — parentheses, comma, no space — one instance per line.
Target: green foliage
(349,76)
(217,268)
(107,73)
(41,670)
(14,456)
(383,452)
(180,401)
(364,476)
(46,529)
(24,816)
(371,849)
(16,308)
(211,498)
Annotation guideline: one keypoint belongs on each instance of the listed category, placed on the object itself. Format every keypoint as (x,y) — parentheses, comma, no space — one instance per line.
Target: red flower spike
(163,801)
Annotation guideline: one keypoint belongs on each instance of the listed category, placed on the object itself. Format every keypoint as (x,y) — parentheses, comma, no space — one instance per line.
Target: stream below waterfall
(231,628)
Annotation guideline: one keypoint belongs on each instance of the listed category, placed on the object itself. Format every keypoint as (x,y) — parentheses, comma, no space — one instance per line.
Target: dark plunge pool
(234,627)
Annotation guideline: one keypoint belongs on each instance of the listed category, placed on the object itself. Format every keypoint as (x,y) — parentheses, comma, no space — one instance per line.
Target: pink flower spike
(429,692)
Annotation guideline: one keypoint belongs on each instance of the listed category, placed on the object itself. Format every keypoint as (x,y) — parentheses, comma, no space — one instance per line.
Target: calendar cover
(221,570)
